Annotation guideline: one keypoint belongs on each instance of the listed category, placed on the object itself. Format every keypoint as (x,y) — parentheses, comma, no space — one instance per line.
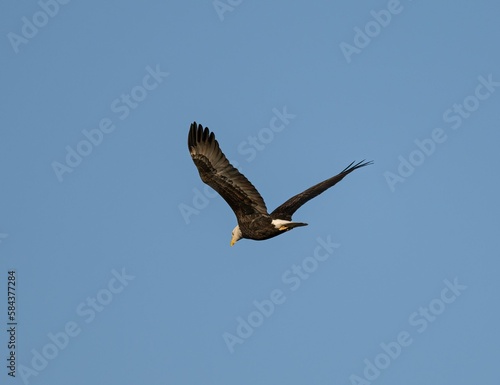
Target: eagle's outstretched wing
(216,171)
(286,210)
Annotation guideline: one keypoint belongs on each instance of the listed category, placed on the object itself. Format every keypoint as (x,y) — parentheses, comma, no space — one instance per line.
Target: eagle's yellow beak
(235,235)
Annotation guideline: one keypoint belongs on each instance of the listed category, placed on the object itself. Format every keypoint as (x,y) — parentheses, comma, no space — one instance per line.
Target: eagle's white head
(236,235)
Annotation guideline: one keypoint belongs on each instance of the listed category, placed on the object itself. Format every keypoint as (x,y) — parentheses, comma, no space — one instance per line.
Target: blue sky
(123,269)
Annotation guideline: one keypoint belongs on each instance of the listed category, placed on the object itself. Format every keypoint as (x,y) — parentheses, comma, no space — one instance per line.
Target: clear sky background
(122,258)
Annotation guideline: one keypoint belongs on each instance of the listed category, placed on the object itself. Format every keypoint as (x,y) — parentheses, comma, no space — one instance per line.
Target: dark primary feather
(286,210)
(216,171)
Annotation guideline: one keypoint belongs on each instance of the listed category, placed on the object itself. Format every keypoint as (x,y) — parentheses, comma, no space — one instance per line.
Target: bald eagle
(254,222)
